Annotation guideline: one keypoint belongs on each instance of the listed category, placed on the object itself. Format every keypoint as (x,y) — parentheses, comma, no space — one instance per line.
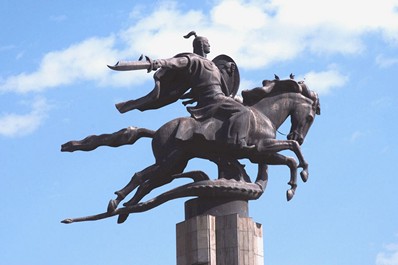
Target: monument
(221,129)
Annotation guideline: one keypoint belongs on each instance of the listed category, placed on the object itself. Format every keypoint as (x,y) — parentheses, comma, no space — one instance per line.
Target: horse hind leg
(137,179)
(174,163)
(149,185)
(152,183)
(149,180)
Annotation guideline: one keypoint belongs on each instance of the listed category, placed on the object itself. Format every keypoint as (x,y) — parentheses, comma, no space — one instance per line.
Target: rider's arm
(172,63)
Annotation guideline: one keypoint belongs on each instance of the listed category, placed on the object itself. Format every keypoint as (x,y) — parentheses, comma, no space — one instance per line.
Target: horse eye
(310,118)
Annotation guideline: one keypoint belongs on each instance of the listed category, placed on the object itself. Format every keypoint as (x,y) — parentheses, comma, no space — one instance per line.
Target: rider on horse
(207,88)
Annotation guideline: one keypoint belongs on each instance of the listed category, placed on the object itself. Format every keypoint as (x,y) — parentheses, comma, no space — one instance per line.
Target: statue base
(219,232)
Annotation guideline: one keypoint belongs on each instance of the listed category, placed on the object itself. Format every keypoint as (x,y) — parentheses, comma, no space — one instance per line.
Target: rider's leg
(238,123)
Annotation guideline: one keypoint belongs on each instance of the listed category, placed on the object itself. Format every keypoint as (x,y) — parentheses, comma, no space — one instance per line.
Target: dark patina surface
(221,129)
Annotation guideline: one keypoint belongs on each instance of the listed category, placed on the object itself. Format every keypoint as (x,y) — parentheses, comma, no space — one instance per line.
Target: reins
(281,133)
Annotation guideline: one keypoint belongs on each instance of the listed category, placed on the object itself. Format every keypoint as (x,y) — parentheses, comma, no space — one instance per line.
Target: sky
(55,87)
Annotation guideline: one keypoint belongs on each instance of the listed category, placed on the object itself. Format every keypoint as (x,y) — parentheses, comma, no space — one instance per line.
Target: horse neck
(277,108)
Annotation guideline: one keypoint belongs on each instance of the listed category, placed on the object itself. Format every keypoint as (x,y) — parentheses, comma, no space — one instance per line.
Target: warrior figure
(207,88)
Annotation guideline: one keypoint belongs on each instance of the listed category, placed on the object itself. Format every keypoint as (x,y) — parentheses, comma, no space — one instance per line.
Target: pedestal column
(219,232)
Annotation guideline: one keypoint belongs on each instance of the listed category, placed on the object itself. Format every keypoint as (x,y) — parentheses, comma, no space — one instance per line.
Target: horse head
(278,99)
(303,116)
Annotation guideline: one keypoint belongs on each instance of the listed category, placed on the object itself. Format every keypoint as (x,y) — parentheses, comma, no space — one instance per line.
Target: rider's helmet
(200,44)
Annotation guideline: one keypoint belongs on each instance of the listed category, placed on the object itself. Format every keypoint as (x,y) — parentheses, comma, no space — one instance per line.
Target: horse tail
(125,136)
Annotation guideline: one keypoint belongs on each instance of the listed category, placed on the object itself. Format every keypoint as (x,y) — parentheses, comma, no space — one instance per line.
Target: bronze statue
(220,129)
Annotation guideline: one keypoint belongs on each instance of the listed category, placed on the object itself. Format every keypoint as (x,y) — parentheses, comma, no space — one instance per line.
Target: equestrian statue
(221,128)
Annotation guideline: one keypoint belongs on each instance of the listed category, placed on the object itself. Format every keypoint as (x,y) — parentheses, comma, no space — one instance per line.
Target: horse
(172,154)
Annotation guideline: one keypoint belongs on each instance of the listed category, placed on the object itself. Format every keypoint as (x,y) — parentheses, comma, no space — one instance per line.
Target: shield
(230,74)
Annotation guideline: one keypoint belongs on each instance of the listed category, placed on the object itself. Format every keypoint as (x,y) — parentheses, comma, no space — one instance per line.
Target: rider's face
(206,46)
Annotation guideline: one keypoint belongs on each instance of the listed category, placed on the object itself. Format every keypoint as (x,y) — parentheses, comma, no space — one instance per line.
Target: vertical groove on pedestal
(220,240)
(196,241)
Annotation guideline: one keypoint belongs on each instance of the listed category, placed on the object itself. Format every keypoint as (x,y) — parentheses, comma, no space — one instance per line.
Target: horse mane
(276,87)
(252,96)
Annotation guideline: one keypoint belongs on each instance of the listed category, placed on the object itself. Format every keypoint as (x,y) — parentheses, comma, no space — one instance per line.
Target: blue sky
(55,87)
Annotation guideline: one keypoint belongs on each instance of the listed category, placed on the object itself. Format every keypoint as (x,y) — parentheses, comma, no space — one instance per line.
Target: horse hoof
(289,194)
(304,176)
(112,205)
(122,218)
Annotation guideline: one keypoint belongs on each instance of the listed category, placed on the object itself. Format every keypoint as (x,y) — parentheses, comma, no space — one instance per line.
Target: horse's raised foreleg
(125,136)
(275,146)
(278,159)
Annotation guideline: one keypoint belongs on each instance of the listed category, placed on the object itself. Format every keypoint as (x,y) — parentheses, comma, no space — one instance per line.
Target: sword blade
(130,65)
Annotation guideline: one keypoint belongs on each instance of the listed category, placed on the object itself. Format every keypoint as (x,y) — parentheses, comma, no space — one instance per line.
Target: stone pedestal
(219,234)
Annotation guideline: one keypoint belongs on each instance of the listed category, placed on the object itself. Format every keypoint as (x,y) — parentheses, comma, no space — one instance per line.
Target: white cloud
(389,256)
(14,125)
(80,62)
(323,82)
(248,84)
(386,62)
(255,33)
(159,34)
(232,14)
